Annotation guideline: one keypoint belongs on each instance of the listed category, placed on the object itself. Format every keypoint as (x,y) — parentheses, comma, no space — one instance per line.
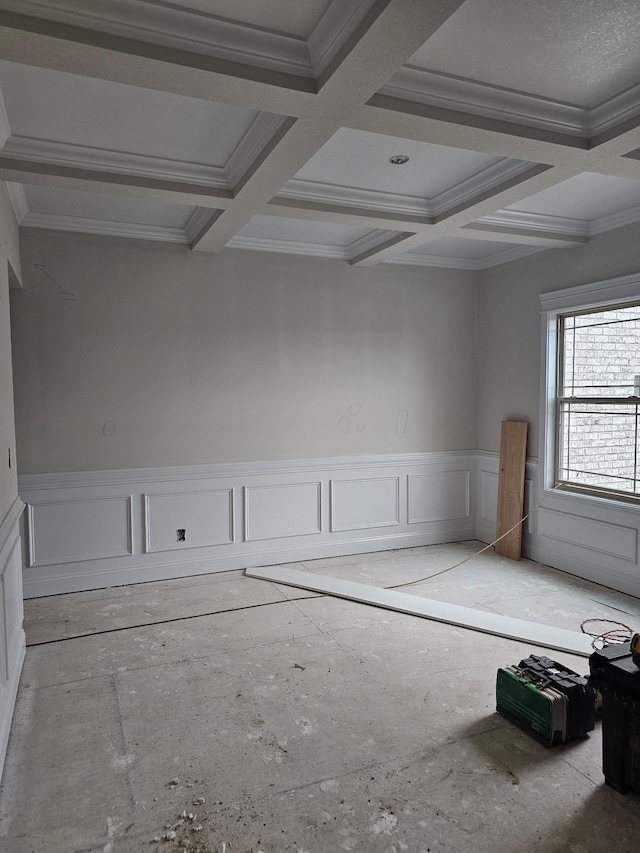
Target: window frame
(611,293)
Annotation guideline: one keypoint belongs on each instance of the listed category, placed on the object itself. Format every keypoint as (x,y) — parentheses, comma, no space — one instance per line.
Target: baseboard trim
(97,577)
(606,577)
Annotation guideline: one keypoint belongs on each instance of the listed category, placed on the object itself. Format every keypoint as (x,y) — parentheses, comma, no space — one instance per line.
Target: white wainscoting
(180,520)
(277,512)
(593,538)
(71,531)
(12,639)
(95,529)
(365,503)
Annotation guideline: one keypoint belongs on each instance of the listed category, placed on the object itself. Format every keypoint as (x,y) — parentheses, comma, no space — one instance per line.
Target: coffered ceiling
(271,124)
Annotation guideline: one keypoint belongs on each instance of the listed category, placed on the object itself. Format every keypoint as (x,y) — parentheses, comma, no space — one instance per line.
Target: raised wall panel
(273,512)
(12,609)
(614,540)
(438,496)
(365,503)
(489,495)
(12,639)
(74,530)
(205,517)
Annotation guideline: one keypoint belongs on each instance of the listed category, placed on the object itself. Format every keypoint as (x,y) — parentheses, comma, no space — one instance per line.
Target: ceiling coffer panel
(462,133)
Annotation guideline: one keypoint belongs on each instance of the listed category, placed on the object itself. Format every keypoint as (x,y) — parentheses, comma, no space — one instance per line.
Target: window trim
(587,297)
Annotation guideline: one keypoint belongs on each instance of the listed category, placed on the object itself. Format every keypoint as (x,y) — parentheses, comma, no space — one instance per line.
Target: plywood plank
(513,454)
(546,636)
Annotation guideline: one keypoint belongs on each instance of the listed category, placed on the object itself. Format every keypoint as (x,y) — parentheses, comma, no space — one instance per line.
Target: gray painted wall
(9,259)
(509,332)
(135,354)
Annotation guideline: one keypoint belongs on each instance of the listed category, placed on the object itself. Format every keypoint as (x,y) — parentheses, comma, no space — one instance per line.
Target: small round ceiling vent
(398,159)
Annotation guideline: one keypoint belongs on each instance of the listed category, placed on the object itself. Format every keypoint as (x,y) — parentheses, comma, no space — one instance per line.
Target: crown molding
(18,201)
(513,253)
(469,96)
(267,244)
(117,162)
(333,29)
(485,180)
(616,110)
(104,227)
(198,221)
(615,220)
(257,136)
(368,241)
(440,261)
(561,224)
(536,222)
(318,192)
(169,25)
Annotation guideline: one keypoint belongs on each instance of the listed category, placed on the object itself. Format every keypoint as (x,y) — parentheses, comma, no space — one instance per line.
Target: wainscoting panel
(489,496)
(66,531)
(365,503)
(274,512)
(440,496)
(95,529)
(178,520)
(593,538)
(612,540)
(12,640)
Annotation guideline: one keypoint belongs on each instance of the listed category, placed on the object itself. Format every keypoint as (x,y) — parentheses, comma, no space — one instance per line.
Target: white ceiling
(269,125)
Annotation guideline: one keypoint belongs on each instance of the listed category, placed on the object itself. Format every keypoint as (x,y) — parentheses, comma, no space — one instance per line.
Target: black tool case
(581,703)
(617,678)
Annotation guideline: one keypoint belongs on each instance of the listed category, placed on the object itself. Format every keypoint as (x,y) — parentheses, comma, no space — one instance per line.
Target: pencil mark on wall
(65,295)
(109,428)
(401,423)
(350,420)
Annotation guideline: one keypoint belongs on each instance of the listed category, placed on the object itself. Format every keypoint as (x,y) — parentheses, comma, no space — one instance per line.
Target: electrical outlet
(181,535)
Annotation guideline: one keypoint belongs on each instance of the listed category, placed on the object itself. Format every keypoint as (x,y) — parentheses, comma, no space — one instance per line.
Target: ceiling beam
(389,35)
(345,95)
(390,248)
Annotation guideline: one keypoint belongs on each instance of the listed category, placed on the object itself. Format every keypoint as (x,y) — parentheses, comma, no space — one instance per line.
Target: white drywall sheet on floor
(428,608)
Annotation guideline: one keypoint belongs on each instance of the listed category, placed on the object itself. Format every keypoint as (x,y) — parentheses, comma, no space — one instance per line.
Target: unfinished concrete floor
(288,722)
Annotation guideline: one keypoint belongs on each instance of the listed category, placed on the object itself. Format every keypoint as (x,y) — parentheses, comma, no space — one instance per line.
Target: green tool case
(546,699)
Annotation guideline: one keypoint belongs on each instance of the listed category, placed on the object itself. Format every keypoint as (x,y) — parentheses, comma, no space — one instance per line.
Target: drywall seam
(547,636)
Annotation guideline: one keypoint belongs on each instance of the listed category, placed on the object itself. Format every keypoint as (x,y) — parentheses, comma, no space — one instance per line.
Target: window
(598,402)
